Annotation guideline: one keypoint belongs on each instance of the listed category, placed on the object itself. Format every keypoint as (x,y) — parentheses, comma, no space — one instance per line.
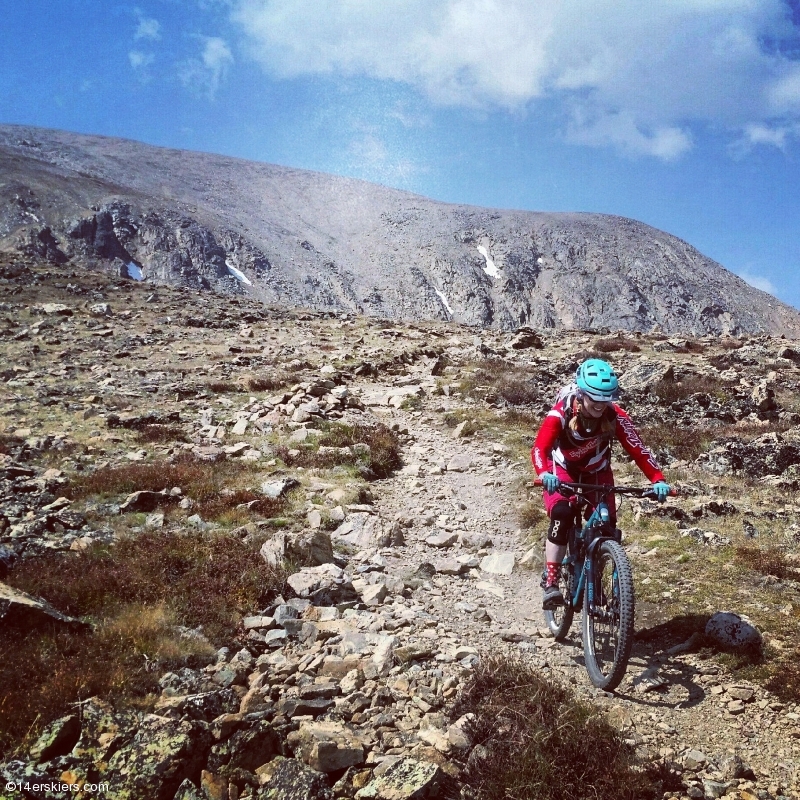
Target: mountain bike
(596,577)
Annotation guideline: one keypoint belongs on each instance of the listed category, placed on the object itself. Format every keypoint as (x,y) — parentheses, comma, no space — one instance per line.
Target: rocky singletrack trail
(672,704)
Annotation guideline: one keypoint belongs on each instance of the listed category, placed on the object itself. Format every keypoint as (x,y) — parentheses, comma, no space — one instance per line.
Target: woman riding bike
(574,445)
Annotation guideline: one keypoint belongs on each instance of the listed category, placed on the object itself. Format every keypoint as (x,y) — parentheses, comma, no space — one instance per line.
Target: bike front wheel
(608,620)
(559,619)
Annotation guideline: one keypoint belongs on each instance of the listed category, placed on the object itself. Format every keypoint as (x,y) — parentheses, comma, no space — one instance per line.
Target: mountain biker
(573,444)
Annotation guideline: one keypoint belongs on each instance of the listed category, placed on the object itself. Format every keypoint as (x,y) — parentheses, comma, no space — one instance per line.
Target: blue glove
(661,491)
(550,482)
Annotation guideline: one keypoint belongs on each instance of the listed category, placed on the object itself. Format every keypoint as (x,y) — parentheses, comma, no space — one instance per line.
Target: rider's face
(594,408)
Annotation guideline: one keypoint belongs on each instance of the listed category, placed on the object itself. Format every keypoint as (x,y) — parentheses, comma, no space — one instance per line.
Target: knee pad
(561,517)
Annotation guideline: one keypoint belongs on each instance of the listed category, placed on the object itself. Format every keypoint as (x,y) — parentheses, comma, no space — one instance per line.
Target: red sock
(553,569)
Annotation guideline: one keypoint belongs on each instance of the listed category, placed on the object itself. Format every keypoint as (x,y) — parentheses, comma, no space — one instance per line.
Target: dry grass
(767,561)
(223,387)
(135,593)
(685,444)
(690,580)
(381,461)
(615,344)
(270,383)
(542,742)
(530,514)
(161,434)
(8,443)
(495,378)
(671,391)
(204,483)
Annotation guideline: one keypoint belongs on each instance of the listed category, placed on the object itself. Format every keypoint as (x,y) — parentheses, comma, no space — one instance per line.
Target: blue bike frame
(584,561)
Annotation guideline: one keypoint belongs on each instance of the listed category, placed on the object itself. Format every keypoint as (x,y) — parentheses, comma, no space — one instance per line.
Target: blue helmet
(597,380)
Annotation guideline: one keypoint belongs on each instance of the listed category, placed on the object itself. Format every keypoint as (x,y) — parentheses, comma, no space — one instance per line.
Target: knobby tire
(608,634)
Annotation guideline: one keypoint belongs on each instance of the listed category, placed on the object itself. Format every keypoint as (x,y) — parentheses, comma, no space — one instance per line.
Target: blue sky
(684,114)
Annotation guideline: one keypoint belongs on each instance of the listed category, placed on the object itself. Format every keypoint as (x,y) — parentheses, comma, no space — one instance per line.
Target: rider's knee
(561,516)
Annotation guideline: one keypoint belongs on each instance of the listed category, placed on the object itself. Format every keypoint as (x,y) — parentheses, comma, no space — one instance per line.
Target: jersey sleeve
(633,445)
(546,438)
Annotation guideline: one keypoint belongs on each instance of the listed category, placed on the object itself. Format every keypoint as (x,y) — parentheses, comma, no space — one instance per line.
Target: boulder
(461,462)
(306,548)
(406,779)
(769,454)
(139,421)
(188,791)
(57,739)
(162,754)
(362,530)
(326,746)
(277,489)
(732,632)
(311,580)
(290,779)
(498,563)
(246,749)
(7,558)
(143,501)
(525,338)
(644,375)
(23,610)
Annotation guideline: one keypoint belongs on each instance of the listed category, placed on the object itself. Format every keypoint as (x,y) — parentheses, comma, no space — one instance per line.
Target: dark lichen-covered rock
(188,791)
(163,753)
(407,779)
(103,731)
(246,749)
(290,779)
(770,454)
(139,421)
(57,739)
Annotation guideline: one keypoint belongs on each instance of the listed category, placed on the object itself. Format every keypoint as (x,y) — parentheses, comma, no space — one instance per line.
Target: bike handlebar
(607,489)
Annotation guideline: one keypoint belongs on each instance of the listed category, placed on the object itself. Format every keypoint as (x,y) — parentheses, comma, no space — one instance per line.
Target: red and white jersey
(580,452)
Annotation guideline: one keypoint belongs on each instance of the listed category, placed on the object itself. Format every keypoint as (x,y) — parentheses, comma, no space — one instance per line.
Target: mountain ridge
(301,238)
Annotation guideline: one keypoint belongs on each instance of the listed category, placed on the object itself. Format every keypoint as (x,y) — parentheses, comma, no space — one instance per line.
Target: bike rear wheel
(608,624)
(559,619)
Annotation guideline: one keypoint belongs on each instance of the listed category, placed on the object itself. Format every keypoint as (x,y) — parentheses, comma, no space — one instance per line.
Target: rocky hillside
(296,238)
(258,553)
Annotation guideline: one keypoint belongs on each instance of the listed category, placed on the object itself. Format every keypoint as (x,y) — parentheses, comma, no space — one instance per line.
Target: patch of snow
(135,271)
(238,274)
(444,302)
(490,268)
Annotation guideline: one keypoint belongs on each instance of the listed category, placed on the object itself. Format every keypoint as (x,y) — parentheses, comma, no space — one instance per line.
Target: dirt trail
(675,705)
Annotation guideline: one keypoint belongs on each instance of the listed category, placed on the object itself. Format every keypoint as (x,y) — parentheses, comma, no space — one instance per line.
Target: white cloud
(620,130)
(140,60)
(148,29)
(204,75)
(784,95)
(627,74)
(758,281)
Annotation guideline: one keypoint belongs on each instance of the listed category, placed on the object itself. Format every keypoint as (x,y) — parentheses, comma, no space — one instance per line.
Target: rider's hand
(661,491)
(550,482)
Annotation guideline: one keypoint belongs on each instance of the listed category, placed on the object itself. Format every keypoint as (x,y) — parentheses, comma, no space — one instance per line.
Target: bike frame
(583,563)
(591,534)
